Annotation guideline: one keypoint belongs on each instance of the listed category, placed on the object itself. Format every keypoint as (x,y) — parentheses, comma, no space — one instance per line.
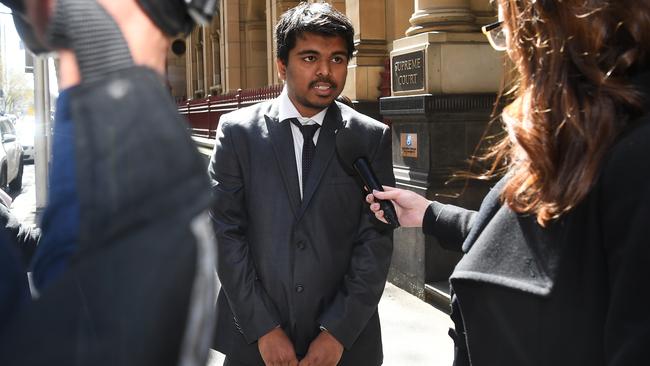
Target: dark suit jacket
(574,293)
(299,265)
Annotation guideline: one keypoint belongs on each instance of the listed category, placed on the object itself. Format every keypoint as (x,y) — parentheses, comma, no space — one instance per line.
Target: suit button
(301,245)
(299,288)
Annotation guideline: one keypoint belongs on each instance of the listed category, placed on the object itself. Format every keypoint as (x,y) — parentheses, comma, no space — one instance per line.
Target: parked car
(11,157)
(25,129)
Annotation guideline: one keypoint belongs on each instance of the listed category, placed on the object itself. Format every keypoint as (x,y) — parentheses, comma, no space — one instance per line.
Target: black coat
(572,294)
(138,291)
(297,264)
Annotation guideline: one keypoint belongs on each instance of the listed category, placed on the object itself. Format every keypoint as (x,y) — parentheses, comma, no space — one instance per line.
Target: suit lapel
(325,149)
(282,141)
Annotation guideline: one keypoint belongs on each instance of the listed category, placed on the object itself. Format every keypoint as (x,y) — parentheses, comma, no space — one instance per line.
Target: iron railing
(203,114)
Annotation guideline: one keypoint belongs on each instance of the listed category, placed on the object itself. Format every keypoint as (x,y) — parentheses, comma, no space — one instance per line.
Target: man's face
(316,71)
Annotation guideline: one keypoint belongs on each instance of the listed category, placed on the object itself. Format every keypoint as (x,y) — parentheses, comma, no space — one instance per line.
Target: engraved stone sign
(408,71)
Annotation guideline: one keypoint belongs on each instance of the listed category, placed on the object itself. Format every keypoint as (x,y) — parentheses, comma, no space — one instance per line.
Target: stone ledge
(428,103)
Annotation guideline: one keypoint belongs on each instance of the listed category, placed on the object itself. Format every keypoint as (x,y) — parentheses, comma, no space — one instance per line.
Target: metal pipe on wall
(42,127)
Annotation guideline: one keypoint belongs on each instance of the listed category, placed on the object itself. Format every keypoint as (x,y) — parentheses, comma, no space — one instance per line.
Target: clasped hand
(277,350)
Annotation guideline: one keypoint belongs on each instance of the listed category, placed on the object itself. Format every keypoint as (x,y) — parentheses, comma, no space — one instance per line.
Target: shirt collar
(287,110)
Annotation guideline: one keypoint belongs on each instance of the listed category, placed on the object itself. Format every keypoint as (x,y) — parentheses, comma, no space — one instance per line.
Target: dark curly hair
(320,18)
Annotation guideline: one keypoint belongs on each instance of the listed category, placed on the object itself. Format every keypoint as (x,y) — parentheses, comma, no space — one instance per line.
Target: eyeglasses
(496,35)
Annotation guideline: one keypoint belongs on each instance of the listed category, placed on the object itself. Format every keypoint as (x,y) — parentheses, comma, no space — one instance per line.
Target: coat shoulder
(360,119)
(626,166)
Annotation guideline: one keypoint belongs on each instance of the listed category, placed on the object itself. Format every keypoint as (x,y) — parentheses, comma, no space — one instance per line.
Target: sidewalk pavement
(414,333)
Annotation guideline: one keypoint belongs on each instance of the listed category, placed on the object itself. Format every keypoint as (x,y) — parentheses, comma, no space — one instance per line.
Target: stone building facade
(438,100)
(237,50)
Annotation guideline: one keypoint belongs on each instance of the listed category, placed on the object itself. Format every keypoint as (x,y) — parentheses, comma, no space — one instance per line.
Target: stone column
(232,45)
(200,74)
(177,74)
(444,79)
(364,70)
(192,64)
(188,67)
(222,48)
(441,15)
(398,13)
(215,38)
(208,53)
(255,74)
(484,12)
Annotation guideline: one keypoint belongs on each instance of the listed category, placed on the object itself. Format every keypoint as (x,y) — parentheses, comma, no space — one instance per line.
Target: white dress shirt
(286,111)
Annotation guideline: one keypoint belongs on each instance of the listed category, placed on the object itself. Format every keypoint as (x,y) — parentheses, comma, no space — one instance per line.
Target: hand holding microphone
(352,156)
(409,205)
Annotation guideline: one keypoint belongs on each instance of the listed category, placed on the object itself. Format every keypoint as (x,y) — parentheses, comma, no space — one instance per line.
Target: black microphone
(352,155)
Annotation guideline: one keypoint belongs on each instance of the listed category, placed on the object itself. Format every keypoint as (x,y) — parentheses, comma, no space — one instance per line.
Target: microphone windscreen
(350,147)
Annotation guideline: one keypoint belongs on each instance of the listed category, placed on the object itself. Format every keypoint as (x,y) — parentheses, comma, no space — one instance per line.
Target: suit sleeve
(253,309)
(625,222)
(448,223)
(363,285)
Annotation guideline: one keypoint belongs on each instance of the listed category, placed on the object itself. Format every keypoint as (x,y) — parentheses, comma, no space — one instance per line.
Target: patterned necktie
(308,148)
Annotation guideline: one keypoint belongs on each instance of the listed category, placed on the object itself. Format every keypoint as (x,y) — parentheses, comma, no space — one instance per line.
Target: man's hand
(410,206)
(325,350)
(276,349)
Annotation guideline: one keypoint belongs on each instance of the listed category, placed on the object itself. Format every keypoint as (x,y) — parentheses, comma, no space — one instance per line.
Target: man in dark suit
(302,262)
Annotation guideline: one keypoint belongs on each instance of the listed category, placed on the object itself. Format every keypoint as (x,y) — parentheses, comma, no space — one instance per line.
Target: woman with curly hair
(557,257)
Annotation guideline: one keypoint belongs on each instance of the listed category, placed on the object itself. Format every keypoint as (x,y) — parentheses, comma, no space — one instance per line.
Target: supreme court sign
(409,71)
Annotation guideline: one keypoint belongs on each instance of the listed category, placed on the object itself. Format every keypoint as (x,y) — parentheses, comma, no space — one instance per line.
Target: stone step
(437,294)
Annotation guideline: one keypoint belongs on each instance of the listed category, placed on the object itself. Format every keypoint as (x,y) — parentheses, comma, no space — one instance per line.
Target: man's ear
(282,69)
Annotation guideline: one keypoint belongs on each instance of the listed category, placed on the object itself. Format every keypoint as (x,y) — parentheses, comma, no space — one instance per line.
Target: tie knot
(307,131)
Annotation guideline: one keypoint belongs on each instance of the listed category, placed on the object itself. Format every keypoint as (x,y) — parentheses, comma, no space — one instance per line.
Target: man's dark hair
(319,18)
